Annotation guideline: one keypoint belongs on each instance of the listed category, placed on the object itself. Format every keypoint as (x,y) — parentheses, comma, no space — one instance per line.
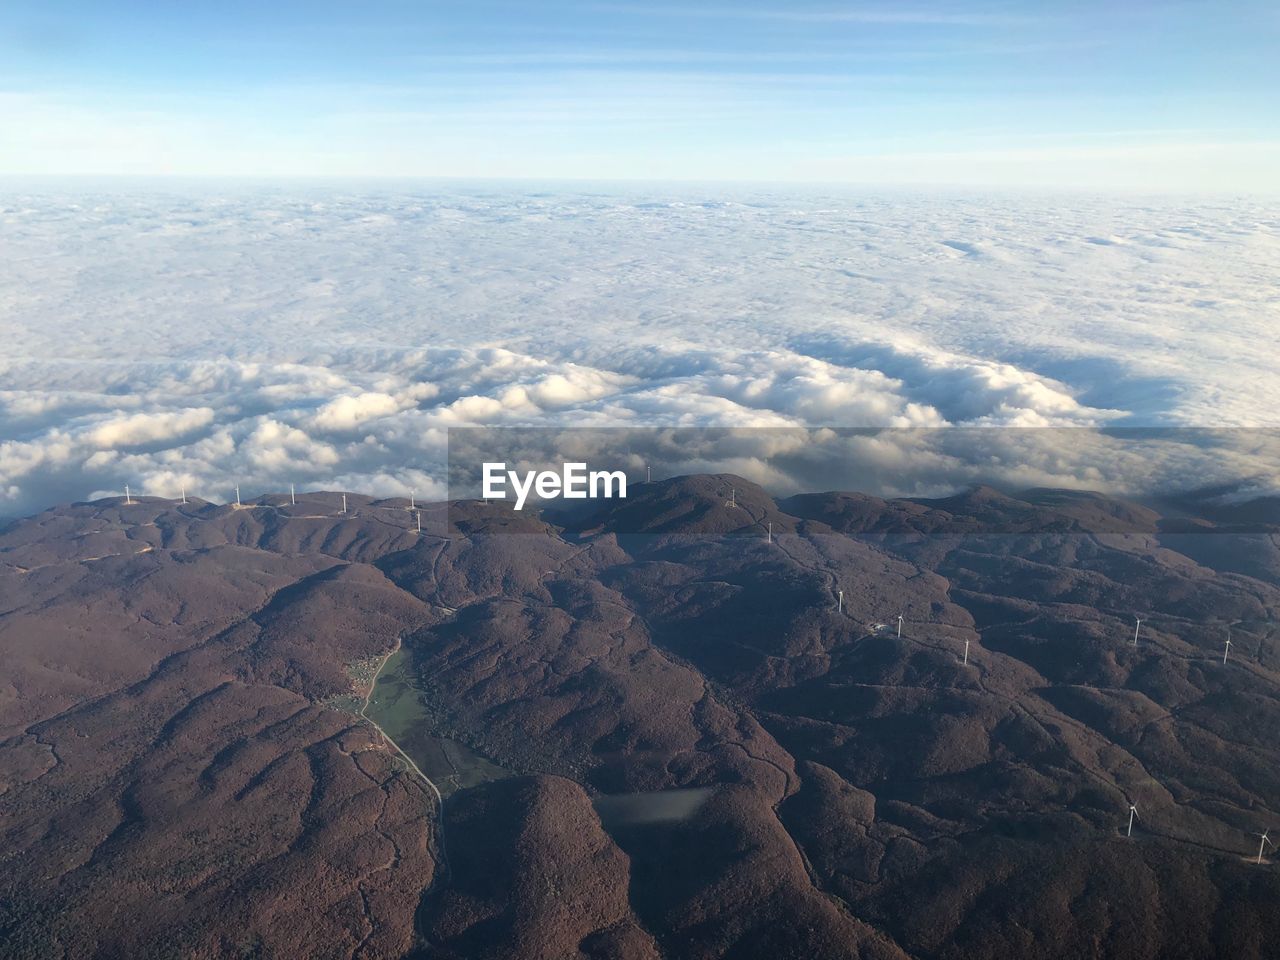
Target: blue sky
(1114,95)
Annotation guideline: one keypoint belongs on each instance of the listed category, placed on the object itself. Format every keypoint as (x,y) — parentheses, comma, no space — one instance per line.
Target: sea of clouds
(330,336)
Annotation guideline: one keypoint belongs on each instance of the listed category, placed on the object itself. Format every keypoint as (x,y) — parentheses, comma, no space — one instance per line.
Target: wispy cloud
(886,16)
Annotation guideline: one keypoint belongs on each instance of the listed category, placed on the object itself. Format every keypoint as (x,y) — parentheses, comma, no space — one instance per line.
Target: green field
(396,707)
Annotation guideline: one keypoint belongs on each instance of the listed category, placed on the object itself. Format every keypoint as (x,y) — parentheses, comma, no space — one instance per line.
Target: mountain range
(698,723)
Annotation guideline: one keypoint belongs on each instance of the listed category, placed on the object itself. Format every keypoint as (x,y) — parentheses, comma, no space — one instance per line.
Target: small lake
(641,809)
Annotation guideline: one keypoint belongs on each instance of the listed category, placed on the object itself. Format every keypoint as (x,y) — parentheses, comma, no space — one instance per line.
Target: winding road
(364,715)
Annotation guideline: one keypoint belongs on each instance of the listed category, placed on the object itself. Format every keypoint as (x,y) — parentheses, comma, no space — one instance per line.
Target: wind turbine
(127,498)
(184,494)
(648,474)
(412,505)
(293,495)
(733,497)
(1136,627)
(1263,845)
(1133,812)
(899,626)
(966,653)
(769,533)
(344,503)
(839,601)
(1226,651)
(418,516)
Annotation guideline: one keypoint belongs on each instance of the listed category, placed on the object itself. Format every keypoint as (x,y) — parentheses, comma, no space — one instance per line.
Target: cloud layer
(331,338)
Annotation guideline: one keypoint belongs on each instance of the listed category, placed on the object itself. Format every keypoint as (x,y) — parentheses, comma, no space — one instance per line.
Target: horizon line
(1047,187)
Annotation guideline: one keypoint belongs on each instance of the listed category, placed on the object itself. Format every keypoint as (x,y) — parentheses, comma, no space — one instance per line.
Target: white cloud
(141,429)
(333,337)
(274,447)
(347,413)
(350,412)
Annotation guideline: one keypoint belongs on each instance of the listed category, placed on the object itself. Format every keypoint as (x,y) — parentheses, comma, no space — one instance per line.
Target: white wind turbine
(839,601)
(966,653)
(1133,812)
(127,498)
(293,495)
(1263,845)
(899,626)
(1136,627)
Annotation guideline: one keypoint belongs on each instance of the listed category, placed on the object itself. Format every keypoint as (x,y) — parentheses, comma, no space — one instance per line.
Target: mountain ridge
(174,756)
